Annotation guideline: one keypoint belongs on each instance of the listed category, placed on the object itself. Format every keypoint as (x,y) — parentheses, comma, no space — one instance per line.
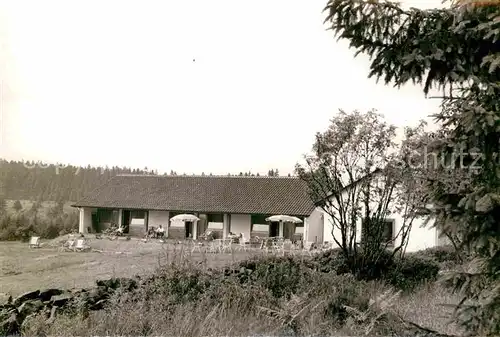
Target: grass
(224,307)
(23,269)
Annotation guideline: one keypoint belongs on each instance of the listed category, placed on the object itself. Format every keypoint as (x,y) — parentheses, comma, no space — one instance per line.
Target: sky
(222,86)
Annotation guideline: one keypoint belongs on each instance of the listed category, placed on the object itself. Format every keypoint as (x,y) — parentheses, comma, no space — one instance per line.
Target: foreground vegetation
(270,295)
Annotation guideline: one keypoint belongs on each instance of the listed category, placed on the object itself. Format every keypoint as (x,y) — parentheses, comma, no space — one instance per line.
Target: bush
(280,275)
(403,273)
(179,283)
(23,226)
(410,272)
(446,255)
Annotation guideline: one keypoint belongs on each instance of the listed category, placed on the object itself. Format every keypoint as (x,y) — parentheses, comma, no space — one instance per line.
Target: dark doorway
(189,229)
(274,229)
(125,221)
(95,223)
(288,230)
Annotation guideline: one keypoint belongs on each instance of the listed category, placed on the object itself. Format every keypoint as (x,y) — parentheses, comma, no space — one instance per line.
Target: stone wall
(50,302)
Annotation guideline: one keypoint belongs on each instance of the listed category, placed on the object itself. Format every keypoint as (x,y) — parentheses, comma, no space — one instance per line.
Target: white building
(422,234)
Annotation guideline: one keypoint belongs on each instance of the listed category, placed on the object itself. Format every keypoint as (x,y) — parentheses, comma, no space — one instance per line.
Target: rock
(115,283)
(30,307)
(99,305)
(11,325)
(97,294)
(61,300)
(32,295)
(46,295)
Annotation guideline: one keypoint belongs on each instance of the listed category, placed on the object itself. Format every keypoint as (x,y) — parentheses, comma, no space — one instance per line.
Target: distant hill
(48,182)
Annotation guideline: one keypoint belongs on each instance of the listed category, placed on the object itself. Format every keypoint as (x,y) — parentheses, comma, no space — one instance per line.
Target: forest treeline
(30,180)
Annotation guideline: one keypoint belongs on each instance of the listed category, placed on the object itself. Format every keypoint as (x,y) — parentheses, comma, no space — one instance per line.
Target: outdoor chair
(197,246)
(327,246)
(68,245)
(226,245)
(295,248)
(34,242)
(244,243)
(313,249)
(214,246)
(267,245)
(81,246)
(278,246)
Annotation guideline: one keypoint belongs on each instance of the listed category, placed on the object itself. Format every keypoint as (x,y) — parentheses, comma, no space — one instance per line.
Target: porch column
(225,225)
(120,217)
(306,230)
(167,226)
(195,230)
(81,227)
(85,220)
(146,220)
(280,229)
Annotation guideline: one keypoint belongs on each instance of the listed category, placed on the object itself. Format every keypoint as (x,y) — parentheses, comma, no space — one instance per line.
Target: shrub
(409,272)
(280,275)
(404,273)
(446,256)
(179,283)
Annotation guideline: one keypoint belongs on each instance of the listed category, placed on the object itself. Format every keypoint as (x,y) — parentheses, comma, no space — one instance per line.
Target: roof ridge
(203,176)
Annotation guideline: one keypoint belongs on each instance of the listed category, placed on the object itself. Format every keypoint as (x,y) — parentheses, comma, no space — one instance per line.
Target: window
(388,231)
(215,226)
(107,215)
(137,214)
(259,223)
(260,228)
(215,217)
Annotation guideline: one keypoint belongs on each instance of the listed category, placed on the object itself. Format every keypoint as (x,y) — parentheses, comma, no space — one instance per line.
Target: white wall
(314,227)
(241,223)
(157,218)
(420,237)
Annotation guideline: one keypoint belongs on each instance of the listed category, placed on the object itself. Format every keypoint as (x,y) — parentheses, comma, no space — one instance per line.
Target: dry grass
(237,312)
(23,269)
(228,308)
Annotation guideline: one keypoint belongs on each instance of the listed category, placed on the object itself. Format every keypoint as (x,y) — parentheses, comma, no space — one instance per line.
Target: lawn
(23,269)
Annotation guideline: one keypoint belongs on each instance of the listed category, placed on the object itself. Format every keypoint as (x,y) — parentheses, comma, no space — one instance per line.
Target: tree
(464,62)
(352,174)
(17,206)
(273,173)
(3,206)
(34,208)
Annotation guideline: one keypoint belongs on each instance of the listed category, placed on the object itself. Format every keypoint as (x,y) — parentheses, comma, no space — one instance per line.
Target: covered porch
(137,222)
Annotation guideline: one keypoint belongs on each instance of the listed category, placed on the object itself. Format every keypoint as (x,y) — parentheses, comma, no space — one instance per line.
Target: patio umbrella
(185,217)
(283,218)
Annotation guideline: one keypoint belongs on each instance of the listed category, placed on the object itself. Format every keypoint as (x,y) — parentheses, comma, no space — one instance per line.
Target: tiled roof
(217,194)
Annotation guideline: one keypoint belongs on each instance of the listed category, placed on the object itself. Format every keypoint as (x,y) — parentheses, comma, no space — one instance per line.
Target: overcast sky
(114,83)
